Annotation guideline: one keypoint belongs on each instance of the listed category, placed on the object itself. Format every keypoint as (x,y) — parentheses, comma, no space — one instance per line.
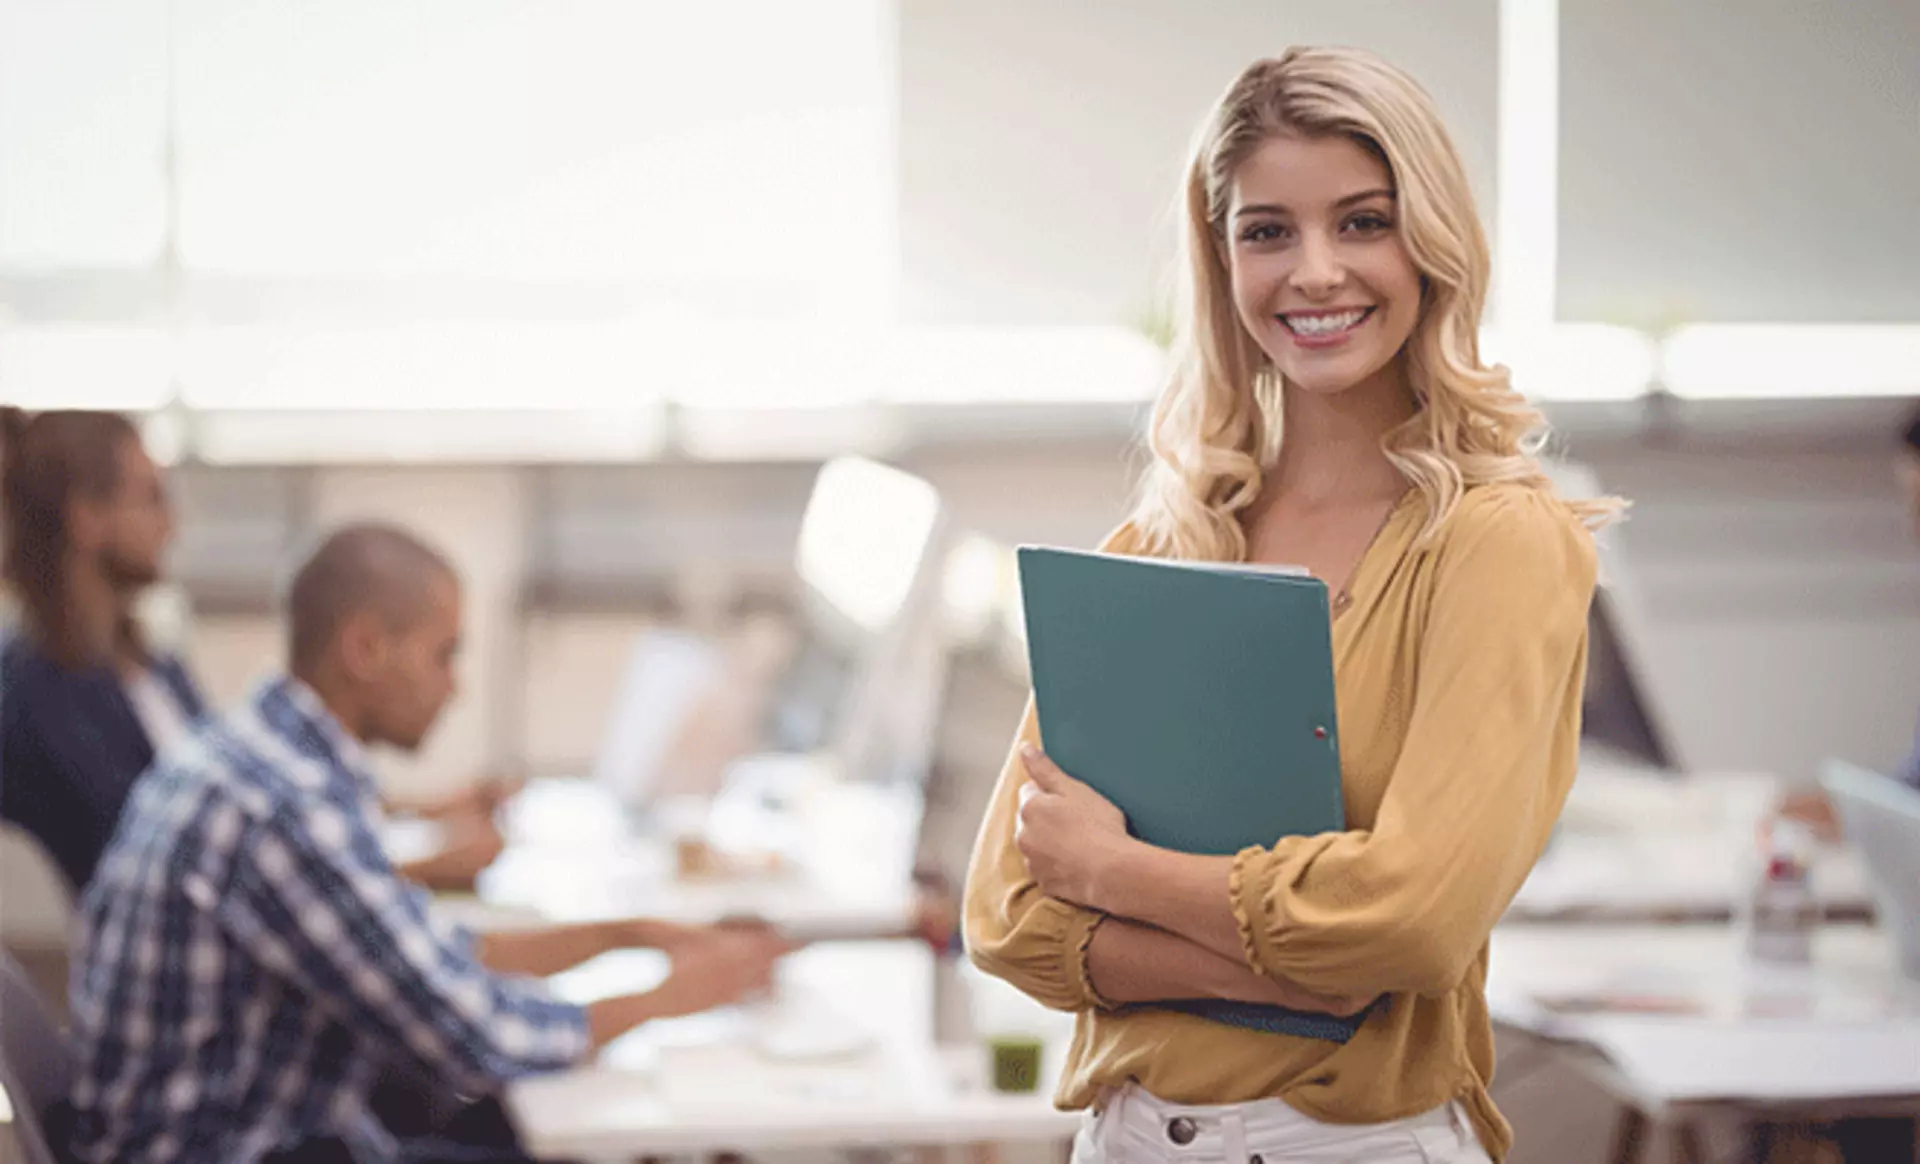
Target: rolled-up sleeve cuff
(1083,971)
(1245,888)
(1046,957)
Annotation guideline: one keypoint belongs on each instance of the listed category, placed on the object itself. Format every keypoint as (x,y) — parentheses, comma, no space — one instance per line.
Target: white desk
(1637,848)
(573,855)
(1653,875)
(1687,1027)
(706,1084)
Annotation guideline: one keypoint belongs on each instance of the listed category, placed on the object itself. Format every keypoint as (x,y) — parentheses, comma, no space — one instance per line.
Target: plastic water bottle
(1781,911)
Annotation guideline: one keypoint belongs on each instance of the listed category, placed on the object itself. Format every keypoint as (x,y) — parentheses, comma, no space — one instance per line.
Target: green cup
(1016,1063)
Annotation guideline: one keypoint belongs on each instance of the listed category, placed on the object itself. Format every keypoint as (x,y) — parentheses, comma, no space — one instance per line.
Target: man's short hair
(366,566)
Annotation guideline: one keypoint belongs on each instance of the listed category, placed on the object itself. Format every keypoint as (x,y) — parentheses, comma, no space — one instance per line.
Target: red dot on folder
(1319,733)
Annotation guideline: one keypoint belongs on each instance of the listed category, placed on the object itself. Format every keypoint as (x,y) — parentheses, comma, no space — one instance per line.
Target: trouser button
(1181,1130)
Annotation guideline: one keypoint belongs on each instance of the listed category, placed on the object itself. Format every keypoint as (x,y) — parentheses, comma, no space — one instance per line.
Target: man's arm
(549,950)
(479,797)
(472,843)
(711,967)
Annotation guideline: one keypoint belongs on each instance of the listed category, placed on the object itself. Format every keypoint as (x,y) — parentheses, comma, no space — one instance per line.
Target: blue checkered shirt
(250,961)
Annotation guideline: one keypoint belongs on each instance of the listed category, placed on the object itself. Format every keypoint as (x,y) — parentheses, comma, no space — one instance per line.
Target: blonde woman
(1328,408)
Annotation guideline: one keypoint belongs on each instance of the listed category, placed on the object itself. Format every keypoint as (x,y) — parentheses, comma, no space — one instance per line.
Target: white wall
(1040,144)
(1781,579)
(1740,160)
(1719,159)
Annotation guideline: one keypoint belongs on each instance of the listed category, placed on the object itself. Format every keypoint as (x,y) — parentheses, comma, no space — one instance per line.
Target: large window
(430,202)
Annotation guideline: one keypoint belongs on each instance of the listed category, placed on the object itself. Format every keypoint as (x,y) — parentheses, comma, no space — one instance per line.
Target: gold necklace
(1344,598)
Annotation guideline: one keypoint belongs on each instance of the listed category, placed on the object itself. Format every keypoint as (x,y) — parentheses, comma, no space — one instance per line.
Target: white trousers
(1134,1127)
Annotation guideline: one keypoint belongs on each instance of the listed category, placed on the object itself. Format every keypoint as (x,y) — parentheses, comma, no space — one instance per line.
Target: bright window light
(82,116)
(1783,361)
(1053,365)
(1574,361)
(725,364)
(866,530)
(785,434)
(84,366)
(731,150)
(439,366)
(241,437)
(979,572)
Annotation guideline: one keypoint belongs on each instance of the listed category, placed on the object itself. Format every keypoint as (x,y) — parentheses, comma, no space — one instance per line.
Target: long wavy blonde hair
(1216,426)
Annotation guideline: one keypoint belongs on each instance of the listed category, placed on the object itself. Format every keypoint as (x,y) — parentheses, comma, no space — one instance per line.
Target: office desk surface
(718,1082)
(1661,874)
(1682,1016)
(845,856)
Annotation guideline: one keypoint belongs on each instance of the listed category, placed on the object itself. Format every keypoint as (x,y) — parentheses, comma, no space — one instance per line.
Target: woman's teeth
(1324,324)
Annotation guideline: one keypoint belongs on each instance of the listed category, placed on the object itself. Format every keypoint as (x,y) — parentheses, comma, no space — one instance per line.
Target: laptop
(1881,819)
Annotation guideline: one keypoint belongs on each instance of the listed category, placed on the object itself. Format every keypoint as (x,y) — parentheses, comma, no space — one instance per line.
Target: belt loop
(1233,1136)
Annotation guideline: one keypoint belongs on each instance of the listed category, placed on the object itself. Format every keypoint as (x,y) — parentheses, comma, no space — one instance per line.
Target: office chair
(36,1062)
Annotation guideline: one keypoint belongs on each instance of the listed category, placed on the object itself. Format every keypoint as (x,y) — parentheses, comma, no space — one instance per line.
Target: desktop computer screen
(811,694)
(1618,713)
(861,678)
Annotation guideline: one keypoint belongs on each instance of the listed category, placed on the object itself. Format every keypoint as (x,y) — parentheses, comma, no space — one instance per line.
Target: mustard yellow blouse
(1459,667)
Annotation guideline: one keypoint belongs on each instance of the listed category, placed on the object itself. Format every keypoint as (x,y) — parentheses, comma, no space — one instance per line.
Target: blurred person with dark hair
(85,702)
(251,964)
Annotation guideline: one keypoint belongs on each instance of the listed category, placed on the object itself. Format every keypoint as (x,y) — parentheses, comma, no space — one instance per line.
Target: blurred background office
(728,348)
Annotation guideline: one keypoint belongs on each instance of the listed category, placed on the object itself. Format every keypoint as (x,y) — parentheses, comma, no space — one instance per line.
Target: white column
(1526,242)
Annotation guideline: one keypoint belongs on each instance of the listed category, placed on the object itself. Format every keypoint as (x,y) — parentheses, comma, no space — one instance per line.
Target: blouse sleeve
(1490,755)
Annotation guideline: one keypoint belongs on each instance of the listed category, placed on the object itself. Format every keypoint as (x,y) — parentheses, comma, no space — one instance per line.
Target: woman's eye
(1261,232)
(1369,223)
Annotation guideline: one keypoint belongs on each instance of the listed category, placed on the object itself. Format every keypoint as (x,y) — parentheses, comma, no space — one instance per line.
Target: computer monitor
(669,675)
(1881,819)
(983,697)
(865,671)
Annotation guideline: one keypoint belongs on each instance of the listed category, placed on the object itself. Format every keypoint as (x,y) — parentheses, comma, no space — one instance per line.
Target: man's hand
(645,933)
(482,797)
(472,843)
(1815,811)
(712,966)
(716,967)
(491,793)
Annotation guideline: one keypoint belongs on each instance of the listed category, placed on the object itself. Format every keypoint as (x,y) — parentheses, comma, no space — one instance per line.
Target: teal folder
(1199,699)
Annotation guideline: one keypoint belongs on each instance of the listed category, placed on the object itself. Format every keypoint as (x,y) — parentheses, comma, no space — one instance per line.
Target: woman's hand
(1072,837)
